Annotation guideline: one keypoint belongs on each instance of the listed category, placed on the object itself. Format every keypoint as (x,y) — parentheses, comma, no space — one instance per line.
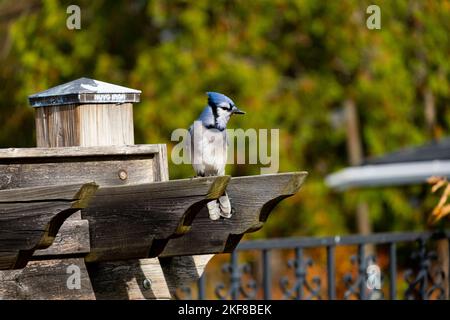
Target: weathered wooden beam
(132,222)
(252,199)
(107,166)
(161,166)
(84,112)
(67,193)
(63,279)
(145,278)
(31,217)
(75,152)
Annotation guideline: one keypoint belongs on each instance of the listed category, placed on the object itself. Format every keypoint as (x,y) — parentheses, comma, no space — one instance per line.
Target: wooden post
(84,112)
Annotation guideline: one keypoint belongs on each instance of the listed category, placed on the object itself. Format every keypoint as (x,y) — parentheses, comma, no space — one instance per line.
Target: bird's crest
(215,98)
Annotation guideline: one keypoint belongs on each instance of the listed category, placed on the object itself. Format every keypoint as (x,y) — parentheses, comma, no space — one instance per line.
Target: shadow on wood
(71,240)
(31,217)
(184,259)
(252,199)
(145,278)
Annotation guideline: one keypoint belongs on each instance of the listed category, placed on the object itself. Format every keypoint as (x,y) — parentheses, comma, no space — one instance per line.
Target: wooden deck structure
(89,215)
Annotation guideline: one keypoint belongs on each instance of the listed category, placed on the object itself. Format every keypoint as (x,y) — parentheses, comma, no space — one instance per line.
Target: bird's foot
(225,206)
(214,210)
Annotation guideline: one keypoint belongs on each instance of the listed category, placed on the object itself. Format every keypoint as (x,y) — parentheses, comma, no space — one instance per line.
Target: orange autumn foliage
(442,208)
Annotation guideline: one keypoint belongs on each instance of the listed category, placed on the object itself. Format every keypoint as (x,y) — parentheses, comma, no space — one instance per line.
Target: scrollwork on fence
(428,279)
(357,285)
(237,288)
(425,278)
(301,284)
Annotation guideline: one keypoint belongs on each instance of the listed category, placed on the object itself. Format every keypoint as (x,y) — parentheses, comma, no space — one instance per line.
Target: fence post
(84,112)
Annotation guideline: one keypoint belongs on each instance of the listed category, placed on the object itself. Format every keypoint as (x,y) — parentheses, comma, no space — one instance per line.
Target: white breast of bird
(210,152)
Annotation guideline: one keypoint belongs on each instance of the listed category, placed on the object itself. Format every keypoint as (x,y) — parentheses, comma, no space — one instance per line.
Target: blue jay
(208,146)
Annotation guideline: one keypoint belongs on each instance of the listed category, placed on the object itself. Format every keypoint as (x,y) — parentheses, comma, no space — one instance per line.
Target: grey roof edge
(432,150)
(84,91)
(391,174)
(84,98)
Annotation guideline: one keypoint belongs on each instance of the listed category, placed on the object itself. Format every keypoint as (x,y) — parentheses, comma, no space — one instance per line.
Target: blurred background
(339,92)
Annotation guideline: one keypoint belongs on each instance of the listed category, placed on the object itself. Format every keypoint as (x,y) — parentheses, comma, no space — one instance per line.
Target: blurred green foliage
(290,64)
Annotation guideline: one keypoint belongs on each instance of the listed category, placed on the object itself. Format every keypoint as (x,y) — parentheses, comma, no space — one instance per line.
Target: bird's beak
(237,110)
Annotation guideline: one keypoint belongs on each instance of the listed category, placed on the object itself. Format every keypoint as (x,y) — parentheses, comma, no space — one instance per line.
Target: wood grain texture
(106,124)
(72,239)
(69,192)
(84,125)
(57,126)
(75,152)
(32,222)
(252,199)
(45,280)
(30,167)
(161,167)
(137,221)
(104,171)
(123,280)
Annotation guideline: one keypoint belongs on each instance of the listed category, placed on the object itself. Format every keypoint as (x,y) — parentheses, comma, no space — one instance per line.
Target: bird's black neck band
(214,112)
(214,126)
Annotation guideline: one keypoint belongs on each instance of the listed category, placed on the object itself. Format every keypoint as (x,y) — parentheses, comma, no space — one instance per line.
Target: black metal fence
(424,272)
